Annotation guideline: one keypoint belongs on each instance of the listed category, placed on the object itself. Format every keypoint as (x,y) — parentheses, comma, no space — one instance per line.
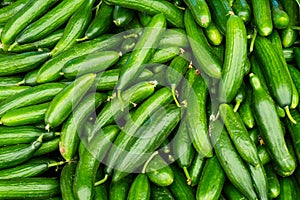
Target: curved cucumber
(140,188)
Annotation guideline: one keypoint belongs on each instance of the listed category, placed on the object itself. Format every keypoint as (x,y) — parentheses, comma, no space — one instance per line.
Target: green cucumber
(34,95)
(200,12)
(195,170)
(29,188)
(293,130)
(140,188)
(48,147)
(30,78)
(144,18)
(88,164)
(295,74)
(211,181)
(25,116)
(10,80)
(296,51)
(66,180)
(246,112)
(165,54)
(173,37)
(9,11)
(242,9)
(235,57)
(62,104)
(260,180)
(254,135)
(101,191)
(205,57)
(160,193)
(90,63)
(232,193)
(270,128)
(262,16)
(288,189)
(263,154)
(274,186)
(75,27)
(279,16)
(239,97)
(213,34)
(69,138)
(119,190)
(122,16)
(49,22)
(173,14)
(14,64)
(128,44)
(7,91)
(231,162)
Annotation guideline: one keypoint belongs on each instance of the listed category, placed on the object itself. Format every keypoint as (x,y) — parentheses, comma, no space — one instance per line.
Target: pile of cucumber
(149,99)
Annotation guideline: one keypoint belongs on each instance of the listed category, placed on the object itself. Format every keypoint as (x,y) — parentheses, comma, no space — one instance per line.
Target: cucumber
(200,12)
(66,180)
(260,180)
(7,91)
(160,193)
(254,135)
(296,51)
(288,190)
(31,188)
(101,191)
(28,115)
(122,16)
(140,188)
(232,193)
(195,170)
(23,18)
(263,155)
(48,23)
(235,57)
(172,37)
(173,14)
(213,34)
(211,181)
(230,161)
(245,110)
(10,80)
(205,58)
(35,95)
(242,9)
(62,104)
(30,78)
(69,139)
(22,62)
(274,186)
(48,147)
(239,97)
(295,74)
(270,128)
(9,11)
(90,63)
(262,16)
(75,27)
(144,18)
(119,190)
(128,44)
(279,16)
(88,164)
(165,54)
(293,130)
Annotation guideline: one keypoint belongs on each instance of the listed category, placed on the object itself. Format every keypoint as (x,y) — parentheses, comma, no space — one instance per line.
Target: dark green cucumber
(206,59)
(239,97)
(101,191)
(62,104)
(260,180)
(242,9)
(296,51)
(295,74)
(48,23)
(279,16)
(128,44)
(140,54)
(51,69)
(22,135)
(7,91)
(14,64)
(29,188)
(119,190)
(293,130)
(69,138)
(16,154)
(173,14)
(23,18)
(48,147)
(159,172)
(211,181)
(254,135)
(270,128)
(231,193)
(235,57)
(213,34)
(150,137)
(140,188)
(144,18)
(200,12)
(66,180)
(75,27)
(246,112)
(30,78)
(90,63)
(274,186)
(10,80)
(101,23)
(160,193)
(262,16)
(256,68)
(288,189)
(35,95)
(230,161)
(48,42)
(122,16)
(173,37)
(165,54)
(9,11)
(263,154)
(88,164)
(220,11)
(196,168)
(33,167)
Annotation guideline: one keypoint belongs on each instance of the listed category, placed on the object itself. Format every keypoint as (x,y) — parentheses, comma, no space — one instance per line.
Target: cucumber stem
(253,40)
(21,82)
(148,161)
(237,105)
(12,46)
(47,127)
(297,28)
(173,88)
(55,164)
(287,110)
(82,39)
(121,100)
(102,180)
(186,172)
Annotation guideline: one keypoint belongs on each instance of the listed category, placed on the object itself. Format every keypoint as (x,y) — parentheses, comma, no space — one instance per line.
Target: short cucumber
(232,193)
(274,186)
(128,44)
(173,37)
(10,80)
(119,190)
(165,54)
(101,191)
(279,16)
(9,11)
(200,12)
(242,9)
(288,190)
(213,34)
(66,180)
(260,180)
(144,18)
(246,112)
(62,104)
(196,168)
(122,16)
(293,130)
(263,154)
(262,16)
(160,193)
(30,78)
(7,91)
(50,146)
(140,188)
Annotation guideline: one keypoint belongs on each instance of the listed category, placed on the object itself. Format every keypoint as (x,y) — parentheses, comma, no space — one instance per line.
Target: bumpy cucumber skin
(140,188)
(262,16)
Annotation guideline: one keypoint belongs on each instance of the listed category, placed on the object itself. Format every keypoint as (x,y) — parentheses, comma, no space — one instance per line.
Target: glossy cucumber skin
(274,185)
(62,104)
(165,54)
(200,12)
(69,139)
(263,155)
(9,11)
(50,70)
(270,128)
(213,34)
(49,22)
(33,188)
(246,112)
(122,16)
(7,91)
(66,180)
(23,18)
(230,161)
(48,147)
(262,16)
(31,96)
(232,193)
(174,37)
(235,57)
(260,180)
(140,188)
(90,63)
(293,130)
(173,14)
(279,16)
(119,190)
(211,181)
(211,65)
(10,80)
(22,62)
(295,74)
(88,164)
(160,193)
(196,168)
(288,190)
(141,55)
(25,116)
(242,9)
